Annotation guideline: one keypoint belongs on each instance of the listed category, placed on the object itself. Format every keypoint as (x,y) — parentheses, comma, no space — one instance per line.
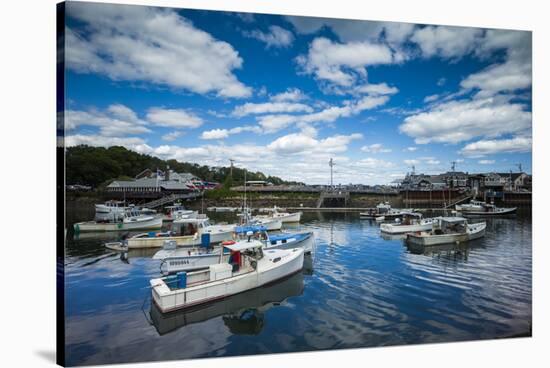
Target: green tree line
(98,166)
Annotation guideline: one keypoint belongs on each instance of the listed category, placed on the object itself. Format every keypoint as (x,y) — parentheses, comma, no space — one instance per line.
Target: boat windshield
(255,253)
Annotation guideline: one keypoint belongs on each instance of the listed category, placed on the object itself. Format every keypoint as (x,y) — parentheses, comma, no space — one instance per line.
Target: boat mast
(245,210)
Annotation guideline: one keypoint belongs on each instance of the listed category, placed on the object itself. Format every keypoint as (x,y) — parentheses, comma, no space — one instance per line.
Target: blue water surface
(358,290)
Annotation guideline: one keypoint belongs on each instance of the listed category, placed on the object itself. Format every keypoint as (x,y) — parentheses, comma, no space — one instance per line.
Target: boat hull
(402,229)
(154,223)
(290,217)
(305,241)
(190,263)
(271,224)
(498,212)
(169,300)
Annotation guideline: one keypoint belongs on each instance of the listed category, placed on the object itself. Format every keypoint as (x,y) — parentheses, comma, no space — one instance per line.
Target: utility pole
(519,167)
(231,170)
(331,164)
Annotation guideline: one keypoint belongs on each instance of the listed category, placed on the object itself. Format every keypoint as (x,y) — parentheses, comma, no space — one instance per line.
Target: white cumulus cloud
(495,146)
(343,63)
(276,37)
(375,148)
(269,108)
(153,45)
(175,118)
(462,120)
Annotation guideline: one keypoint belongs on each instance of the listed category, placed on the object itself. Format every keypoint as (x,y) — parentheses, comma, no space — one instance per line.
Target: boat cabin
(191,226)
(171,211)
(410,218)
(243,253)
(447,225)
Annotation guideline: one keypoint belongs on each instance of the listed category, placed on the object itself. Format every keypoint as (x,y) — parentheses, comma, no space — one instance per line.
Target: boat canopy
(243,245)
(246,228)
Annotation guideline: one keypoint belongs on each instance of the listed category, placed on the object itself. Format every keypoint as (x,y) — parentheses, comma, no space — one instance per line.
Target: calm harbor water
(358,290)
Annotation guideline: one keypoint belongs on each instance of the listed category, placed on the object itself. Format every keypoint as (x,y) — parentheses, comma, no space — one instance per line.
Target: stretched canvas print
(237,183)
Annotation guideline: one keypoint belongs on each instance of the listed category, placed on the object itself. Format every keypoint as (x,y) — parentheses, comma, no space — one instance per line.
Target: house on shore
(149,184)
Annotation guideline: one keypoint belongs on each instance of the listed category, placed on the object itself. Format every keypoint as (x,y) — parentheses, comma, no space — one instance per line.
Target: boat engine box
(182,280)
(220,271)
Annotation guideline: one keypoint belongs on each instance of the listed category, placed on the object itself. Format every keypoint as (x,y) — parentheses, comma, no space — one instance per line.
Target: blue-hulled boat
(179,259)
(283,240)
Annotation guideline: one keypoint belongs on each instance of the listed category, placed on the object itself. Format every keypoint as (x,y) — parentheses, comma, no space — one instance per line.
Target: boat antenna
(453,166)
(519,167)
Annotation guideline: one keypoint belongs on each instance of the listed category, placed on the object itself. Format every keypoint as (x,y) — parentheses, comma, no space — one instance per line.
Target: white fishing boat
(131,221)
(217,233)
(411,222)
(250,267)
(176,212)
(271,224)
(448,230)
(285,217)
(385,210)
(191,232)
(176,259)
(479,208)
(111,207)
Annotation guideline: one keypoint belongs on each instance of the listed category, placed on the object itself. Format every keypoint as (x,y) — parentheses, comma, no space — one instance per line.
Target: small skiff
(479,208)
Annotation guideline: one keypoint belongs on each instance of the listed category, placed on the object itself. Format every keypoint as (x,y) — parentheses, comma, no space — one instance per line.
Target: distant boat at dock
(411,222)
(384,210)
(285,217)
(479,208)
(176,212)
(448,230)
(132,220)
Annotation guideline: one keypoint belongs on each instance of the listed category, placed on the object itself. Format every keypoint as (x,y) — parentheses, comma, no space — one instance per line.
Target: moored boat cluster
(438,230)
(201,261)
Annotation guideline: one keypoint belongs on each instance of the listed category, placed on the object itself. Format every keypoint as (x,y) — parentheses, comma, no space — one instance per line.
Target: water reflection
(451,250)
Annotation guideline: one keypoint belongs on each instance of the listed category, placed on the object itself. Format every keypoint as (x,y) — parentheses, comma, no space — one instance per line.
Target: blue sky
(283,95)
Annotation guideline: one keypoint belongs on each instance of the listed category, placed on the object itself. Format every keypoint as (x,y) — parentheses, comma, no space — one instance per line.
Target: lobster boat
(248,267)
